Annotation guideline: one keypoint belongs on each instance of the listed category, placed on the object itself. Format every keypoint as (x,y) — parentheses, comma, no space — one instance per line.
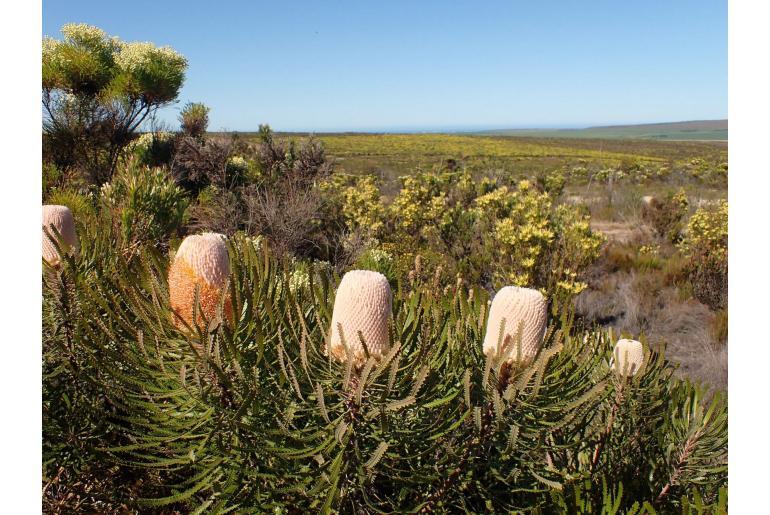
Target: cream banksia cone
(363,304)
(201,261)
(525,312)
(60,217)
(627,357)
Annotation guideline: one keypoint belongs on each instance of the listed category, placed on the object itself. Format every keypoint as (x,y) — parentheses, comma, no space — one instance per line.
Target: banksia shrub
(59,218)
(628,357)
(517,315)
(201,263)
(427,428)
(362,305)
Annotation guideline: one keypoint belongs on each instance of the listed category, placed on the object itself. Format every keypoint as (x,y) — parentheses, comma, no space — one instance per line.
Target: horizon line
(405,129)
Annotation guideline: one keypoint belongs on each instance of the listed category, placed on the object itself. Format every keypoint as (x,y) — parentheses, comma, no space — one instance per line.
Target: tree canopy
(97,92)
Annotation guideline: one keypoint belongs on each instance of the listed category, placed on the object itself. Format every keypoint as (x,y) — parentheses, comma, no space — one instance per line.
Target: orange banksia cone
(363,304)
(525,312)
(201,261)
(60,217)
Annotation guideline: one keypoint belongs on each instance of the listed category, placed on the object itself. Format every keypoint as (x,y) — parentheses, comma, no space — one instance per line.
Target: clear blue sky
(359,65)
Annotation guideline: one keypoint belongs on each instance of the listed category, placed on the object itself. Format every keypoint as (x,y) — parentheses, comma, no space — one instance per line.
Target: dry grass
(637,293)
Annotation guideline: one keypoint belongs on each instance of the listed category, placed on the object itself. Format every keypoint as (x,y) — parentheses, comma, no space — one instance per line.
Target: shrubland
(240,403)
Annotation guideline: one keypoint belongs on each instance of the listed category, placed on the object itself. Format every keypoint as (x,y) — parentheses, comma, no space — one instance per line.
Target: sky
(431,65)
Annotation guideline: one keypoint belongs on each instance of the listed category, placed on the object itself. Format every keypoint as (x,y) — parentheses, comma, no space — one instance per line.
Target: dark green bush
(194,119)
(667,216)
(254,417)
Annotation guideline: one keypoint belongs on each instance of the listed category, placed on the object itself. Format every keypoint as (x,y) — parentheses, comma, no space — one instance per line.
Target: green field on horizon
(708,130)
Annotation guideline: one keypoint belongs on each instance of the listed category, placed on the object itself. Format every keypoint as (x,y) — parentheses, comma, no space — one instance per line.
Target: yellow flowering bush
(488,232)
(574,248)
(362,206)
(522,231)
(705,247)
(707,229)
(417,192)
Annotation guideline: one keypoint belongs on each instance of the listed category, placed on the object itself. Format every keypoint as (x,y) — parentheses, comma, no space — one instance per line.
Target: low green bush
(145,203)
(253,416)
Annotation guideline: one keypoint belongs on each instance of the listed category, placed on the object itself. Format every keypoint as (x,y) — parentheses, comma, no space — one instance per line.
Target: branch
(687,450)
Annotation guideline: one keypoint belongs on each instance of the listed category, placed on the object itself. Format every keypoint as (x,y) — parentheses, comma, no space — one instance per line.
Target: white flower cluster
(299,279)
(108,194)
(50,47)
(237,163)
(144,142)
(256,241)
(133,56)
(85,34)
(380,257)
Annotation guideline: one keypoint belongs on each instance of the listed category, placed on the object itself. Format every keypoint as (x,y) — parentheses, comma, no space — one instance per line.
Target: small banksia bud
(60,218)
(525,312)
(362,304)
(627,357)
(201,261)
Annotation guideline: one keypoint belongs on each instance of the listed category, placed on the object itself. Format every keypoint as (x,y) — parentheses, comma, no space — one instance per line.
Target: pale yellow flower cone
(627,357)
(201,261)
(60,217)
(363,303)
(523,309)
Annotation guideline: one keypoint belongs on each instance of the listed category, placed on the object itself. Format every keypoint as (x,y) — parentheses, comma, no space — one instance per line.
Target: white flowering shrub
(97,91)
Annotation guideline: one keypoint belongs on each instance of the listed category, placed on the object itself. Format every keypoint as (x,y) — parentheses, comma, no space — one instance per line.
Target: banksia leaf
(362,306)
(477,417)
(627,357)
(339,433)
(400,404)
(513,436)
(498,404)
(523,312)
(393,371)
(364,377)
(377,456)
(322,402)
(201,263)
(467,387)
(419,380)
(59,218)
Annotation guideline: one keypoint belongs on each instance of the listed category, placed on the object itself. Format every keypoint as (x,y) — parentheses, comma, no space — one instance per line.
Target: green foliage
(52,177)
(82,204)
(379,261)
(254,416)
(552,183)
(89,62)
(194,119)
(146,202)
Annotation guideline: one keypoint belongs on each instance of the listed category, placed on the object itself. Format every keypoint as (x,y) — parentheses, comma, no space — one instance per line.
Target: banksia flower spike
(524,312)
(60,218)
(201,261)
(627,357)
(363,304)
